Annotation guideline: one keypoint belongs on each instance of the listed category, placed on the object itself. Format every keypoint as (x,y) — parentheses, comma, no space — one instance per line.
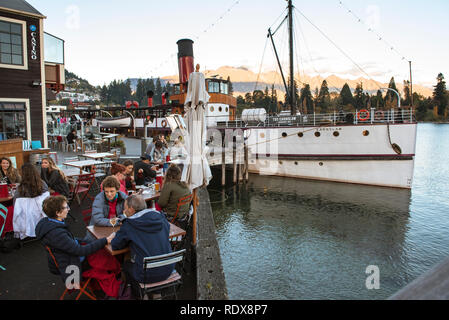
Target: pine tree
(407,101)
(306,100)
(391,99)
(440,97)
(346,97)
(359,97)
(230,87)
(324,98)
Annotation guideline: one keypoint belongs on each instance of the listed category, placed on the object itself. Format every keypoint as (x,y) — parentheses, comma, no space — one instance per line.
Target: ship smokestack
(150,95)
(185,59)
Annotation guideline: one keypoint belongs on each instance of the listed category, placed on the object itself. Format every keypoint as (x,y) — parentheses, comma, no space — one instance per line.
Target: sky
(115,39)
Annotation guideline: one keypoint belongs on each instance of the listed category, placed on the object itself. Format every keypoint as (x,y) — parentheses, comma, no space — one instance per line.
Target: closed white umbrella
(198,170)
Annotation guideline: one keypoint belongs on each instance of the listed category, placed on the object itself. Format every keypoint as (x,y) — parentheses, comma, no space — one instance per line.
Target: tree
(359,97)
(230,87)
(407,101)
(440,97)
(306,100)
(324,98)
(391,99)
(346,97)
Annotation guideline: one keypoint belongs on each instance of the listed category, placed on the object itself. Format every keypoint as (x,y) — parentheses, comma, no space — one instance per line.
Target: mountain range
(244,80)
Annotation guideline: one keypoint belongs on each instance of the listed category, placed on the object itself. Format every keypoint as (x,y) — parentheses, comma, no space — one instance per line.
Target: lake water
(286,238)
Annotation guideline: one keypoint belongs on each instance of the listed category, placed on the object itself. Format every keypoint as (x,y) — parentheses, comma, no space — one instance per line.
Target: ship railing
(359,117)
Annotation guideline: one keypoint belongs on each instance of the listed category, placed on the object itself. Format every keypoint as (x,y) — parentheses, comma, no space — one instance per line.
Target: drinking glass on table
(113,222)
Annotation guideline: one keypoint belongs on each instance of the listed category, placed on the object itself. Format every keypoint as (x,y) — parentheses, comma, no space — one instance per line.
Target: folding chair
(84,285)
(83,184)
(3,214)
(173,281)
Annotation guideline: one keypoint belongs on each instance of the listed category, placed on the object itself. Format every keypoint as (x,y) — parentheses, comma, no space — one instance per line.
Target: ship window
(214,86)
(300,134)
(224,88)
(11,43)
(212,109)
(284,134)
(227,109)
(366,133)
(317,134)
(220,109)
(336,133)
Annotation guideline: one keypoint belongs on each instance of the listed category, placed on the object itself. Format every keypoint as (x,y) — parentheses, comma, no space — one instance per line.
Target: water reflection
(286,238)
(295,239)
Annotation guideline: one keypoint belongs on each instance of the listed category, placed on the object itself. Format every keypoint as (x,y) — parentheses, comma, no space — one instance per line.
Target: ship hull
(361,154)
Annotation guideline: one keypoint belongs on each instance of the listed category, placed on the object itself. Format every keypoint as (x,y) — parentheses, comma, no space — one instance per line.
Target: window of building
(11,43)
(12,121)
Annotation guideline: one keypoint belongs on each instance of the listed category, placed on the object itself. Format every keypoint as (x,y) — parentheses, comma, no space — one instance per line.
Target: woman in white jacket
(28,200)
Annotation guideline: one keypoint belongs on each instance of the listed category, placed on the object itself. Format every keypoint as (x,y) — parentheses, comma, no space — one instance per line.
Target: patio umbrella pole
(195,204)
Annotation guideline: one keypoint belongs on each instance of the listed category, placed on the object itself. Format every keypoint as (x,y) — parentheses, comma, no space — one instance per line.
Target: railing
(337,118)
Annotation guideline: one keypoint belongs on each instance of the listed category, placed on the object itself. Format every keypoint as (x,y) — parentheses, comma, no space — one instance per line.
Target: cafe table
(84,164)
(104,232)
(98,156)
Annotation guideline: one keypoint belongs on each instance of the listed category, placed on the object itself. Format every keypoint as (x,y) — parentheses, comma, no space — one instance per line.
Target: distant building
(29,73)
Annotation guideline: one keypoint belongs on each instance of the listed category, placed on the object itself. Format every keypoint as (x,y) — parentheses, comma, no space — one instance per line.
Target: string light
(197,37)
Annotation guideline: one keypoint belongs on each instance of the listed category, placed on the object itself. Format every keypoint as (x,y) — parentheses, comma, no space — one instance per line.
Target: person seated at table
(143,171)
(151,146)
(32,185)
(129,175)
(66,249)
(9,174)
(107,208)
(146,232)
(28,200)
(118,171)
(54,177)
(178,151)
(159,153)
(173,190)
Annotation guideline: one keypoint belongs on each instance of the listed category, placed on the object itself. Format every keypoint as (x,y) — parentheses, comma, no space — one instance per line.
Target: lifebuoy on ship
(363,115)
(164,123)
(379,115)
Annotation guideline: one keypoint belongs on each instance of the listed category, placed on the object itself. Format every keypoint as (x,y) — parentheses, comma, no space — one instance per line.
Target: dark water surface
(284,238)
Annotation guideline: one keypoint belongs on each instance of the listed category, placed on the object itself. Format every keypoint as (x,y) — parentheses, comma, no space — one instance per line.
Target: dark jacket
(71,137)
(100,209)
(148,173)
(65,248)
(55,181)
(147,236)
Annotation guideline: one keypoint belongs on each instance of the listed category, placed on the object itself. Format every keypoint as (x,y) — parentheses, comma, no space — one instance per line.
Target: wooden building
(23,69)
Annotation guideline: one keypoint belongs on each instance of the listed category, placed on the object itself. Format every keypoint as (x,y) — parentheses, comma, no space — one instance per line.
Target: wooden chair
(83,185)
(84,285)
(173,281)
(182,202)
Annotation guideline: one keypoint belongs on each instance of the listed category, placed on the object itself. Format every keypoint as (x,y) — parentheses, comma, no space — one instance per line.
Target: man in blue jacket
(146,232)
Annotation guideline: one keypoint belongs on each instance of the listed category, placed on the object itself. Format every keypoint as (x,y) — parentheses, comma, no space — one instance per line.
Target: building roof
(21,7)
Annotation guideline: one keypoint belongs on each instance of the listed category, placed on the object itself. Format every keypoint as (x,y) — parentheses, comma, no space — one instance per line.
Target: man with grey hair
(146,232)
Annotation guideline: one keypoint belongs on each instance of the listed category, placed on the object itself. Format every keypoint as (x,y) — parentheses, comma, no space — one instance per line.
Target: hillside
(245,80)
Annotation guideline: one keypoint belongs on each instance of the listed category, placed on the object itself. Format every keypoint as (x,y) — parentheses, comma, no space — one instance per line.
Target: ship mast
(292,77)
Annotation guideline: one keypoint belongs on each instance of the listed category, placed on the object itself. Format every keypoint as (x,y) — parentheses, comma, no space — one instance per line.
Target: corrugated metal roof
(19,5)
